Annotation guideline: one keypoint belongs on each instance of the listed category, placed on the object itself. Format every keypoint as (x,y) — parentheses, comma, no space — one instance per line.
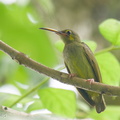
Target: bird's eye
(68,32)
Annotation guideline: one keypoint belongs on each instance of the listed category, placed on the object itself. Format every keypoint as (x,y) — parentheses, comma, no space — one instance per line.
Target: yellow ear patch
(71,37)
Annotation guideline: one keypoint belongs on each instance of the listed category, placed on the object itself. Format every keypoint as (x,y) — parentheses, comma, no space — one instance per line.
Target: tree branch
(10,114)
(22,59)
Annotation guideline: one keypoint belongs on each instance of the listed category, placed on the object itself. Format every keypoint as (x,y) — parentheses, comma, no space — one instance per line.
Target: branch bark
(23,59)
(10,114)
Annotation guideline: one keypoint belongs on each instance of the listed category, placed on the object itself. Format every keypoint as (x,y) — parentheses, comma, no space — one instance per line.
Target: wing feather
(91,59)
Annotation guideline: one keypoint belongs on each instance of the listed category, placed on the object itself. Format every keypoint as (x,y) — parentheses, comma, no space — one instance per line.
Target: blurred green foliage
(18,30)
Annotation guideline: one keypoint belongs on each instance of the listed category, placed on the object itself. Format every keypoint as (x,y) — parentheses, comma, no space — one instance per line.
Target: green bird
(80,61)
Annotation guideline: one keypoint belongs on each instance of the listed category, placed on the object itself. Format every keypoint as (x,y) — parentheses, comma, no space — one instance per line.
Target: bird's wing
(91,59)
(83,92)
(67,67)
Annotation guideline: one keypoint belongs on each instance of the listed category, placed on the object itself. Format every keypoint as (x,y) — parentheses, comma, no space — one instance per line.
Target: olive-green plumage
(80,60)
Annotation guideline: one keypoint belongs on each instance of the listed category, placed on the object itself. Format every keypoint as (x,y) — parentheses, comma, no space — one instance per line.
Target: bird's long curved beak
(53,30)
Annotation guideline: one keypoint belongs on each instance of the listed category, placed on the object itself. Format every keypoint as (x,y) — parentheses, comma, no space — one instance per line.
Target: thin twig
(112,47)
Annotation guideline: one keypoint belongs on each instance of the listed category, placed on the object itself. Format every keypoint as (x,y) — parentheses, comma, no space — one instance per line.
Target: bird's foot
(91,80)
(72,75)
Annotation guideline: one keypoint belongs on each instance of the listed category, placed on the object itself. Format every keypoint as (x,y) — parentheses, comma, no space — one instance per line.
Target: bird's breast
(76,61)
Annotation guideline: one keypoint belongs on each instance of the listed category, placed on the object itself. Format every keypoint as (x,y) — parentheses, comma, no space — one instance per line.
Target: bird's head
(67,35)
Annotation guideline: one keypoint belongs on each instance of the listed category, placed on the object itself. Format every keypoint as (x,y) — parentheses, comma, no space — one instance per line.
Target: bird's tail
(100,104)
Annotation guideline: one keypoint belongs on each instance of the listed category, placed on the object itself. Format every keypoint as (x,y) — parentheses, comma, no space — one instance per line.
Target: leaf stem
(112,47)
(33,89)
(30,91)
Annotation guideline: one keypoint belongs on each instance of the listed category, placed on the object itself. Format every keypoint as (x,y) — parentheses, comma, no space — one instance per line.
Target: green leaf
(118,40)
(59,101)
(37,105)
(59,45)
(91,44)
(110,29)
(110,68)
(111,113)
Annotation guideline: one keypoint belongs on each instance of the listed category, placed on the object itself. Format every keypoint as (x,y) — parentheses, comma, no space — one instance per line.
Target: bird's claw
(91,80)
(71,75)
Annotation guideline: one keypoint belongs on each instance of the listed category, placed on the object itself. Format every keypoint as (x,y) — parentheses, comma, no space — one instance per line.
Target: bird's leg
(71,75)
(91,80)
